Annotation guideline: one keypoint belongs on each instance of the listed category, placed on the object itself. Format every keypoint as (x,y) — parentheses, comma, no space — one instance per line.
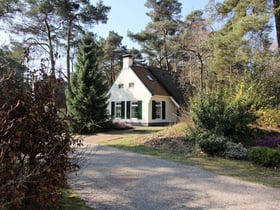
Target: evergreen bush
(212,144)
(264,156)
(222,113)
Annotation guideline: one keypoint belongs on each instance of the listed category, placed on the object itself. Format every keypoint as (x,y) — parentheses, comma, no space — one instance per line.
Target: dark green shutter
(163,110)
(153,110)
(113,109)
(128,109)
(122,109)
(140,110)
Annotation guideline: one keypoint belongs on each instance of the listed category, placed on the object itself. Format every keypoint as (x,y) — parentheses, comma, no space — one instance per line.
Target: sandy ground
(115,179)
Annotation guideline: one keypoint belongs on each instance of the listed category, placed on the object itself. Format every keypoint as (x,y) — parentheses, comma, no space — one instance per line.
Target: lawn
(71,201)
(163,142)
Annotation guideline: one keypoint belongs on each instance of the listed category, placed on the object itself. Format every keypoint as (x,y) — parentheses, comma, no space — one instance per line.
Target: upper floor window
(131,84)
(121,85)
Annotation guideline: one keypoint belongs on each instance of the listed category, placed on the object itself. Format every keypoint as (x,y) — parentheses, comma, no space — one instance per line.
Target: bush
(34,147)
(212,144)
(222,114)
(268,117)
(271,142)
(264,156)
(235,151)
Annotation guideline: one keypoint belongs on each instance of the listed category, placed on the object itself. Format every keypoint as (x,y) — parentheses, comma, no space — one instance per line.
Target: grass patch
(71,201)
(244,170)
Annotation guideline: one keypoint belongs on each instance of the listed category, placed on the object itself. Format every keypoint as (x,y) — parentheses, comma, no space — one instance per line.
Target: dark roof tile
(159,82)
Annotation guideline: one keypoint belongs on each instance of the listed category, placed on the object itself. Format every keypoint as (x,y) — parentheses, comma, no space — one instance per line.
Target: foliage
(87,94)
(264,156)
(34,147)
(113,51)
(77,17)
(220,114)
(213,145)
(235,151)
(268,117)
(154,40)
(7,7)
(8,63)
(242,42)
(271,142)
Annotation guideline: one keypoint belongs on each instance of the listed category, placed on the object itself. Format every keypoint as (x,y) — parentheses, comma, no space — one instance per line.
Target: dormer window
(149,77)
(121,85)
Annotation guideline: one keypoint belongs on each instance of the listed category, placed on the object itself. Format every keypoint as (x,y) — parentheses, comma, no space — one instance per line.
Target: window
(118,109)
(131,84)
(149,77)
(158,110)
(121,85)
(134,109)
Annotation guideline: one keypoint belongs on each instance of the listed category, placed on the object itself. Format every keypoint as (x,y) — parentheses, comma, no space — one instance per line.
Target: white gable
(129,87)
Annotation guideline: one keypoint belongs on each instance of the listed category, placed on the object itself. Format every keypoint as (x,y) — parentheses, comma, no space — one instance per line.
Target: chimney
(127,61)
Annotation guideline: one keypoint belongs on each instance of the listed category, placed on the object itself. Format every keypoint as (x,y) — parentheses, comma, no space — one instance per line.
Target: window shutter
(163,110)
(112,108)
(140,110)
(128,109)
(122,109)
(153,110)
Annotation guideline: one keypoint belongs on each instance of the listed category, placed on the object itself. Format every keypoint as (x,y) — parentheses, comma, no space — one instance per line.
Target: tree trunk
(50,48)
(68,47)
(166,53)
(276,4)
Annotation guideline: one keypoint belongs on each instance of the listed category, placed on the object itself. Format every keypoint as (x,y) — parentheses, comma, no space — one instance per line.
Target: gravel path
(115,179)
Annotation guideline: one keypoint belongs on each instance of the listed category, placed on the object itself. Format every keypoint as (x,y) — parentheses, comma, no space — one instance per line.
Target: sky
(127,15)
(130,15)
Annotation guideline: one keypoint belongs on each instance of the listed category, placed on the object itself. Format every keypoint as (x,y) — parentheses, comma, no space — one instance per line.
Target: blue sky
(130,15)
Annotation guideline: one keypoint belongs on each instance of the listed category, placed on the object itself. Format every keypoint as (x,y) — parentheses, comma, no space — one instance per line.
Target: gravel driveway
(115,179)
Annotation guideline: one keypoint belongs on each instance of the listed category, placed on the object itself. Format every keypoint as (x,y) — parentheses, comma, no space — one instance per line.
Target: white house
(144,96)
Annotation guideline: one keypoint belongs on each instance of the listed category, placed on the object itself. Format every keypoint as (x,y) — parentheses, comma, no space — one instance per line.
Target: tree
(155,38)
(10,60)
(40,26)
(276,5)
(113,51)
(78,15)
(233,48)
(87,95)
(190,49)
(8,7)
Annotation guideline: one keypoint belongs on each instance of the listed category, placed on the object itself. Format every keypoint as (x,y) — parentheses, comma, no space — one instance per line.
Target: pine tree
(87,94)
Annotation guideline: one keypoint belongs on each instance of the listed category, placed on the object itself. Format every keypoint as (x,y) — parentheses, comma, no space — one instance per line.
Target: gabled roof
(160,82)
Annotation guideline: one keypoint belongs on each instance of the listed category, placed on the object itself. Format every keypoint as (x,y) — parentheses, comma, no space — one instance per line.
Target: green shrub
(222,114)
(213,145)
(264,156)
(235,151)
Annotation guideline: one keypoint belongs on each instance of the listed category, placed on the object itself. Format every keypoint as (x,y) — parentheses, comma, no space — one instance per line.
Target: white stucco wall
(137,93)
(171,110)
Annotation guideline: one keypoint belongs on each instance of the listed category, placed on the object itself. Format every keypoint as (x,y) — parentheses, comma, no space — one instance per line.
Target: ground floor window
(158,110)
(133,109)
(118,109)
